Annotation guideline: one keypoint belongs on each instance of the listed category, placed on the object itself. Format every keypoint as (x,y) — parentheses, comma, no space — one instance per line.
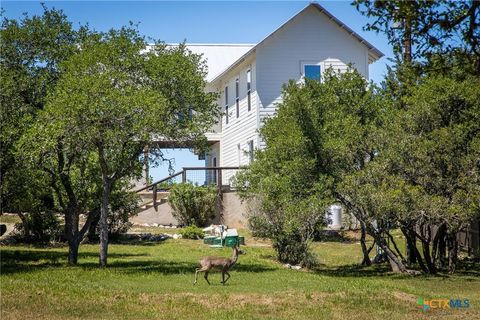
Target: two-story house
(249,78)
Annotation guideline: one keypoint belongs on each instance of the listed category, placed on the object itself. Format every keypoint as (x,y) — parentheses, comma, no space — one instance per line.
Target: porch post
(146,165)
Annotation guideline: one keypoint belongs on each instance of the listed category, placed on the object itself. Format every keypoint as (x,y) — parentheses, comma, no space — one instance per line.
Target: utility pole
(146,165)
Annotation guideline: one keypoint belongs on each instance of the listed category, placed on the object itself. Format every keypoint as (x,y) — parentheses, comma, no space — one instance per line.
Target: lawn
(154,281)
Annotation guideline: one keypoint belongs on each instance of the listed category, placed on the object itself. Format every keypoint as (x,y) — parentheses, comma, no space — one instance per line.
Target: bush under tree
(193,205)
(192,232)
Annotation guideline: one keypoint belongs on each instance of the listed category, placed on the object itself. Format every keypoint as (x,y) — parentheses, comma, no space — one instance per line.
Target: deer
(218,263)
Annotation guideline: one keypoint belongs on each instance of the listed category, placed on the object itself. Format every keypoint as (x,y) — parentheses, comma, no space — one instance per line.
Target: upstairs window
(237,97)
(249,89)
(226,105)
(312,71)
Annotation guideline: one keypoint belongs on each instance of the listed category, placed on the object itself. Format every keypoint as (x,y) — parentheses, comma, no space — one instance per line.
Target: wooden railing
(196,175)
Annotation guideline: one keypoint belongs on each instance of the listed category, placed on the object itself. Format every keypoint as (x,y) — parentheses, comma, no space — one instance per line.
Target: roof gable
(374,53)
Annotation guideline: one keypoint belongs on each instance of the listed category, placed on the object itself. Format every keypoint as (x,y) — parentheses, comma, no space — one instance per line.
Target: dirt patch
(241,300)
(405,296)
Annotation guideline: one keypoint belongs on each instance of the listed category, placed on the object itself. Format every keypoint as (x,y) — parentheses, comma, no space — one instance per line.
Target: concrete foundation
(233,213)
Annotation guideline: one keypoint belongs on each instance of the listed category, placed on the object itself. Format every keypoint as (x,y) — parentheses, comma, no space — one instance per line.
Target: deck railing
(220,177)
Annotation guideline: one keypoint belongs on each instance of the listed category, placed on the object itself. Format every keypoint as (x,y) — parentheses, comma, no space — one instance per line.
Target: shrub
(193,205)
(192,232)
(39,227)
(290,242)
(123,206)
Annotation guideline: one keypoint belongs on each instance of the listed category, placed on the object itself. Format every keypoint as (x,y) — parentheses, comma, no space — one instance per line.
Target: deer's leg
(196,275)
(223,277)
(228,277)
(197,271)
(206,277)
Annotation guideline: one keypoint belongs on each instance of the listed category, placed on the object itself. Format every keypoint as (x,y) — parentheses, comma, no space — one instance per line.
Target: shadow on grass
(16,261)
(465,269)
(468,267)
(23,261)
(354,270)
(333,236)
(168,267)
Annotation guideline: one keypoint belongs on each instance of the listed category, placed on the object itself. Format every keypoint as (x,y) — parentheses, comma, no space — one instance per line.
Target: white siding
(238,131)
(310,37)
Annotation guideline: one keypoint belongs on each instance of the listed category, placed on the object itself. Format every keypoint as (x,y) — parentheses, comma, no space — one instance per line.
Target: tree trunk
(395,263)
(411,245)
(452,252)
(26,228)
(413,249)
(78,235)
(92,229)
(73,246)
(428,258)
(439,247)
(392,240)
(104,222)
(366,258)
(71,233)
(442,252)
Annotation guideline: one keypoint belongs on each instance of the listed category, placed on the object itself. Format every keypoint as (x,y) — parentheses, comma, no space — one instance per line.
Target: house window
(237,97)
(226,105)
(249,88)
(250,150)
(312,71)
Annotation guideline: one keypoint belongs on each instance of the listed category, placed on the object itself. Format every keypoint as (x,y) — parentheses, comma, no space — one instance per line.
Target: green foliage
(444,34)
(427,171)
(31,50)
(321,131)
(78,109)
(192,232)
(41,227)
(192,204)
(433,149)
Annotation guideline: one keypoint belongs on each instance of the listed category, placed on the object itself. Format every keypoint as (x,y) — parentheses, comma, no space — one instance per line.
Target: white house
(249,78)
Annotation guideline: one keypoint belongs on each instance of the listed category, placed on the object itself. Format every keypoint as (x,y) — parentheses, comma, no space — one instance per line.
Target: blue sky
(200,22)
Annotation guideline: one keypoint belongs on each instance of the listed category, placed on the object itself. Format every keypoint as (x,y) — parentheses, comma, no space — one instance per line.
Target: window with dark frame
(312,71)
(249,88)
(237,96)
(226,105)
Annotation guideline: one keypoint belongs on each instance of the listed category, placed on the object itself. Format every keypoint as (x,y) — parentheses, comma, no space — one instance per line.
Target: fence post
(184,176)
(219,181)
(155,196)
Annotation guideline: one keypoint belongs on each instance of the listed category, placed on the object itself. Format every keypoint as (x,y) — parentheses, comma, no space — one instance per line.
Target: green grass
(154,230)
(154,281)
